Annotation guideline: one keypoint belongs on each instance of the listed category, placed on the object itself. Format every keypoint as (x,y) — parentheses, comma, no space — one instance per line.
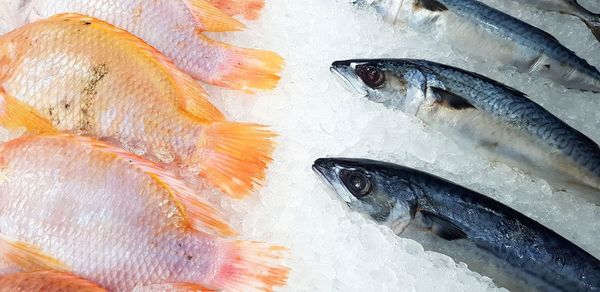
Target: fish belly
(500,142)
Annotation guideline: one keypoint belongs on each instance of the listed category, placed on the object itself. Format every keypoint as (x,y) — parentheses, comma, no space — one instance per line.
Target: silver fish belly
(492,35)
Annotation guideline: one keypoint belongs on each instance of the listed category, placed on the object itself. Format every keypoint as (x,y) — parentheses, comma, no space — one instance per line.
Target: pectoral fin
(28,257)
(432,5)
(450,100)
(442,227)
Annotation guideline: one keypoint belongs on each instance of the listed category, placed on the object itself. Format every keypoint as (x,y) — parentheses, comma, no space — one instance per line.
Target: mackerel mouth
(345,81)
(326,175)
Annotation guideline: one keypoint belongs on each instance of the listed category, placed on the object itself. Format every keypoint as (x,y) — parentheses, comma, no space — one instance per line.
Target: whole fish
(485,116)
(50,281)
(493,35)
(174,27)
(88,77)
(571,7)
(396,196)
(75,204)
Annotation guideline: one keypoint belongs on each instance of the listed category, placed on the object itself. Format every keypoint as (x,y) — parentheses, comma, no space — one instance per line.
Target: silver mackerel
(571,7)
(482,115)
(492,35)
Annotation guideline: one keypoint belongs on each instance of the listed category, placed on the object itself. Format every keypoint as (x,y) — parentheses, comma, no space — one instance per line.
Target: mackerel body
(492,35)
(532,257)
(486,117)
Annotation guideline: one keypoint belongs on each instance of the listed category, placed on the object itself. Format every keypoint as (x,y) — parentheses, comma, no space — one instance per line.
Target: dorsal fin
(191,97)
(442,227)
(28,257)
(201,215)
(450,100)
(210,18)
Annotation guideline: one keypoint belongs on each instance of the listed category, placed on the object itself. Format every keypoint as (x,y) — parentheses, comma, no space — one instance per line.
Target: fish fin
(173,287)
(211,18)
(201,215)
(194,99)
(16,114)
(252,266)
(247,69)
(443,228)
(432,5)
(250,9)
(235,156)
(451,100)
(47,281)
(28,257)
(594,26)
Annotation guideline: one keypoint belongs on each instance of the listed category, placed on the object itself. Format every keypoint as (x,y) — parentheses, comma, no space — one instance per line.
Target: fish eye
(370,75)
(357,183)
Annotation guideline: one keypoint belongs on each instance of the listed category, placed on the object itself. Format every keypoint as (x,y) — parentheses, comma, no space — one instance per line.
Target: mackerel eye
(358,184)
(371,76)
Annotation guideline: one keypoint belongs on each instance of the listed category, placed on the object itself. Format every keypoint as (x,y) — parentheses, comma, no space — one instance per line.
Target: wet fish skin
(172,28)
(571,7)
(89,77)
(498,36)
(484,116)
(397,196)
(118,220)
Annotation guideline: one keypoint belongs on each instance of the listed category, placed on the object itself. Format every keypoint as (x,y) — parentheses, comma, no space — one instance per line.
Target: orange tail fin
(46,281)
(235,156)
(252,266)
(247,69)
(250,9)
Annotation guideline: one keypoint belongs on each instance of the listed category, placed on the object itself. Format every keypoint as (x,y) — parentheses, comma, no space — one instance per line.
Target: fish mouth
(328,172)
(343,72)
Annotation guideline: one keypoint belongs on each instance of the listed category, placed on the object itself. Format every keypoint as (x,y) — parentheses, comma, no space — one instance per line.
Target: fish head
(394,83)
(370,188)
(388,9)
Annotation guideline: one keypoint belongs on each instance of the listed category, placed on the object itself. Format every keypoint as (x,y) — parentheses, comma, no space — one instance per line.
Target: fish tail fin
(247,69)
(252,266)
(47,281)
(594,26)
(16,114)
(211,18)
(235,156)
(250,9)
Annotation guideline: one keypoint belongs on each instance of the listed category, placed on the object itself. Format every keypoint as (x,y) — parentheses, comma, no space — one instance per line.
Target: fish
(482,116)
(491,35)
(89,208)
(79,74)
(50,281)
(397,197)
(249,9)
(571,7)
(175,28)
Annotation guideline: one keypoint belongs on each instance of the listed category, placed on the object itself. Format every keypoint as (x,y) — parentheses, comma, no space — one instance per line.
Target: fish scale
(490,34)
(493,239)
(483,116)
(118,220)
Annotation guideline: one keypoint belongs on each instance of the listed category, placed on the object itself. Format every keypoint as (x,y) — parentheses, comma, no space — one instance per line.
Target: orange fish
(86,76)
(74,204)
(175,28)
